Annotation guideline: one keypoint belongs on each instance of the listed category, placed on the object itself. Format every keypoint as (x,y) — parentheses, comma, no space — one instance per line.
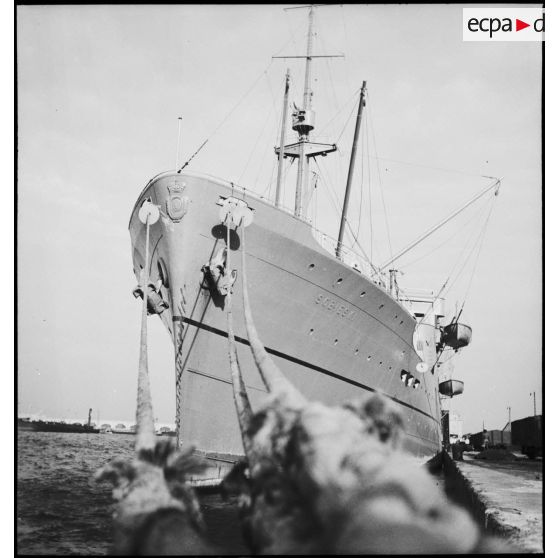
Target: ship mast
(303,123)
(282,144)
(351,168)
(304,130)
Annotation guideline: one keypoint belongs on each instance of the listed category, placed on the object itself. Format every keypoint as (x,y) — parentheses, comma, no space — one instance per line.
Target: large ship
(58,426)
(335,324)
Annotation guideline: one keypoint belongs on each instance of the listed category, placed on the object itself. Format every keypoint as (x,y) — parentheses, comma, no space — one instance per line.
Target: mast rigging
(303,123)
(494,185)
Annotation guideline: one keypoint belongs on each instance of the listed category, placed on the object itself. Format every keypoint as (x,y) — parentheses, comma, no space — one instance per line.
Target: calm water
(62,510)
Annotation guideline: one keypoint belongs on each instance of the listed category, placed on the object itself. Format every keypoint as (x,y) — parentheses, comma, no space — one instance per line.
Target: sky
(100,89)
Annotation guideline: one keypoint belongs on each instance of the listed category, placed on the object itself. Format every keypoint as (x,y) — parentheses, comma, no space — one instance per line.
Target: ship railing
(350,258)
(238,190)
(362,265)
(347,256)
(403,297)
(328,243)
(423,293)
(412,296)
(235,188)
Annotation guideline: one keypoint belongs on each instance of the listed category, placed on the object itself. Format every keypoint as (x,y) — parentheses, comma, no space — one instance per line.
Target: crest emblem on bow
(177,202)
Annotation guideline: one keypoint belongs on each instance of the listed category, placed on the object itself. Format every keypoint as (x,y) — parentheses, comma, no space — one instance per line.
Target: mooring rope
(178,398)
(145,425)
(272,377)
(241,401)
(321,479)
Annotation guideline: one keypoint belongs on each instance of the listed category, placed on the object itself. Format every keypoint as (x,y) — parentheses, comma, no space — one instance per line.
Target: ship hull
(332,331)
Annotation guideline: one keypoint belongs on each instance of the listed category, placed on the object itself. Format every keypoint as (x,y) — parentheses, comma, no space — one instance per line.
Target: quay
(504,496)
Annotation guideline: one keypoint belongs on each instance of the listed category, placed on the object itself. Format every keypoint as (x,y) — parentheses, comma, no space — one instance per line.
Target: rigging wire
(430,167)
(347,122)
(267,192)
(475,216)
(273,168)
(256,143)
(242,98)
(277,113)
(361,190)
(369,112)
(293,37)
(445,288)
(367,139)
(335,97)
(482,237)
(333,199)
(470,254)
(346,49)
(349,99)
(287,168)
(192,156)
(312,202)
(260,169)
(337,208)
(328,63)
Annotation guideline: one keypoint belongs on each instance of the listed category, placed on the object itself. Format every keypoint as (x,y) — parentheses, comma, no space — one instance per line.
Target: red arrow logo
(519,25)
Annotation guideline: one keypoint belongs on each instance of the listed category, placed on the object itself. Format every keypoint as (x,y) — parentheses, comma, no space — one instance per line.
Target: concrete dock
(505,496)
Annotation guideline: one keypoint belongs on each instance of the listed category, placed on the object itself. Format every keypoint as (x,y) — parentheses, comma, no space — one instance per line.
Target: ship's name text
(334,306)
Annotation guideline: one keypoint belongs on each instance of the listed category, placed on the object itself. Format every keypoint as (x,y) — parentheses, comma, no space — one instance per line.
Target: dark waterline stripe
(298,361)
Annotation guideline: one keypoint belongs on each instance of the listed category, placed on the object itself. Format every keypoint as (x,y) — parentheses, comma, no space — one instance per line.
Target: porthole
(311,332)
(356,351)
(311,266)
(362,294)
(380,307)
(335,341)
(401,322)
(368,358)
(340,280)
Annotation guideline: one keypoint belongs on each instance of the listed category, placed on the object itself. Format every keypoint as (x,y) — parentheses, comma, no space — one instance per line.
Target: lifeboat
(456,335)
(450,388)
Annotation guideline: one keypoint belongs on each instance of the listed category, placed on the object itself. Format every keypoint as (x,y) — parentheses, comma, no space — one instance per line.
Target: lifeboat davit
(456,335)
(450,388)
